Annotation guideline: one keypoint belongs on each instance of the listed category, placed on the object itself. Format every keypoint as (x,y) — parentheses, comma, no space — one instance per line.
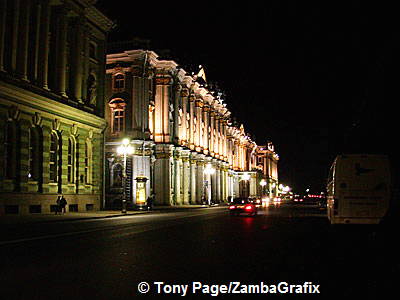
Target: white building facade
(184,142)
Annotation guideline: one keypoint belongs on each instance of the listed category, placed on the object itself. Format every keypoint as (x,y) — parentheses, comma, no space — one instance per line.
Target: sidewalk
(73,216)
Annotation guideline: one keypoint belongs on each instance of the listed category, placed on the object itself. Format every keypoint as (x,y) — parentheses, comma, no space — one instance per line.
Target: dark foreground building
(52,71)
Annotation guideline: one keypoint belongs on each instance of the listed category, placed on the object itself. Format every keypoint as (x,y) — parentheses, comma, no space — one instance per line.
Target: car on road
(242,205)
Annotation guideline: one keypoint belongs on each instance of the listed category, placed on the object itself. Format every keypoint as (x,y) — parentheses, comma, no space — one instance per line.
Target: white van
(358,189)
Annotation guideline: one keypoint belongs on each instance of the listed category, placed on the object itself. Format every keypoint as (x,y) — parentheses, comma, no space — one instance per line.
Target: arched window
(71,159)
(88,162)
(119,81)
(117,107)
(35,153)
(10,147)
(54,148)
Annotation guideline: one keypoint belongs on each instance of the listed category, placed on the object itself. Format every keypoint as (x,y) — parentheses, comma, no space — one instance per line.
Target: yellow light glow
(125,142)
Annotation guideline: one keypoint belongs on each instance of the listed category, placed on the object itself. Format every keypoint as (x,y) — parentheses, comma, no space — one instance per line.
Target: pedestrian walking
(58,205)
(150,200)
(63,204)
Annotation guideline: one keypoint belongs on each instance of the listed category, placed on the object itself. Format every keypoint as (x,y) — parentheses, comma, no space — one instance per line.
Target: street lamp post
(124,150)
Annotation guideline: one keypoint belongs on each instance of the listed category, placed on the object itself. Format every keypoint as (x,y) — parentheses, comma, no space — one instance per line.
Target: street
(108,258)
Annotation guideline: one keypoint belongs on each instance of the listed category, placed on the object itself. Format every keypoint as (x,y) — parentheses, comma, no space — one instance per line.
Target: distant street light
(124,150)
(246,176)
(208,171)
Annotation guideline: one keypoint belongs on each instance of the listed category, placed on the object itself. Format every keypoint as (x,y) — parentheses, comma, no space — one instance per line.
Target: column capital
(184,92)
(162,79)
(199,103)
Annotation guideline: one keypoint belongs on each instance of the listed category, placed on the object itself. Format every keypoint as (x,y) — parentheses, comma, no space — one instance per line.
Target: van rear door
(363,185)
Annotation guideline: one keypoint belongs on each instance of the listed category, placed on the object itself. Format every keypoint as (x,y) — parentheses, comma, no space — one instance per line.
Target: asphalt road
(108,258)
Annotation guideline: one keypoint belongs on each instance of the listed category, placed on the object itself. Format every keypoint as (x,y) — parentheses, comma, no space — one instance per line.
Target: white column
(23,36)
(177,178)
(14,28)
(218,179)
(184,134)
(198,135)
(192,123)
(253,185)
(176,98)
(193,171)
(200,179)
(62,55)
(162,174)
(224,186)
(186,178)
(205,145)
(77,64)
(211,143)
(44,45)
(214,181)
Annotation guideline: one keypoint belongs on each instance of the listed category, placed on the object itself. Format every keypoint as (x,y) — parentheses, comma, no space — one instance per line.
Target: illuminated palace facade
(52,72)
(185,145)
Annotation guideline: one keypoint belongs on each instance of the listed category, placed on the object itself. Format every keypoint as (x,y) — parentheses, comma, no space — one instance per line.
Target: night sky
(316,79)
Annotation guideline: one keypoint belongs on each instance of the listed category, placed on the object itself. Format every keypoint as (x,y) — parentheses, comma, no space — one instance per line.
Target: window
(92,50)
(119,81)
(8,147)
(117,121)
(53,157)
(71,160)
(88,162)
(35,153)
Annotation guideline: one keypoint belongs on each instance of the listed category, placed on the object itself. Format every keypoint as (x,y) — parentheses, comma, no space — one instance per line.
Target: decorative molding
(37,119)
(74,130)
(13,113)
(56,124)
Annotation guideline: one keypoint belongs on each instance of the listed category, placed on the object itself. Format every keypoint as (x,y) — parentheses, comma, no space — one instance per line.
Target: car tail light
(248,207)
(232,207)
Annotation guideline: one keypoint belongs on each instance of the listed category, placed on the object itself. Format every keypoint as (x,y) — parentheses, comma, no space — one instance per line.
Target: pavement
(73,216)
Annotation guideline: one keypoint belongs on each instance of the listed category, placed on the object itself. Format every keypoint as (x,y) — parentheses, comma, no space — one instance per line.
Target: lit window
(53,157)
(88,161)
(9,145)
(119,81)
(117,107)
(71,159)
(35,153)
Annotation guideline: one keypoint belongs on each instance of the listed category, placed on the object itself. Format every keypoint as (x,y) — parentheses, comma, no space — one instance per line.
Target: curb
(129,213)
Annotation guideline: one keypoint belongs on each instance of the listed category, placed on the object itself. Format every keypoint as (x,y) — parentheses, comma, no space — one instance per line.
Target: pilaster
(193,178)
(177,176)
(62,54)
(200,178)
(44,45)
(23,36)
(186,172)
